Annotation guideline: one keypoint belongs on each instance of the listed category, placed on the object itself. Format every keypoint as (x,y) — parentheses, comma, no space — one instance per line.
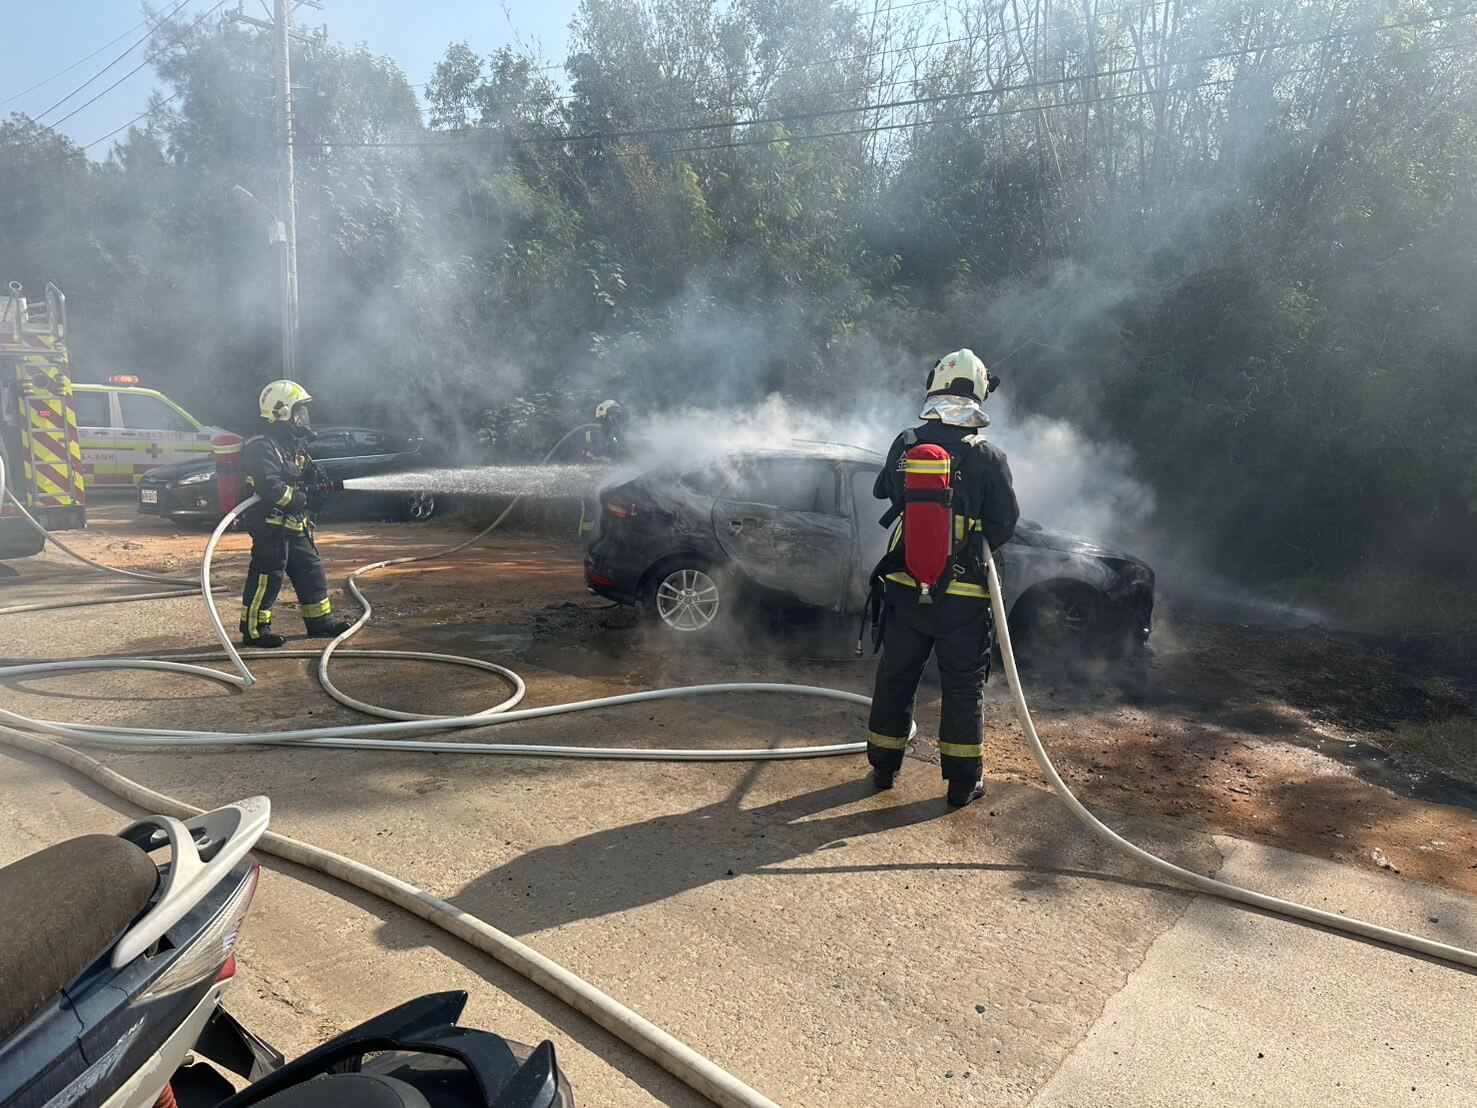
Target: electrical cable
(147,61)
(63,72)
(969,117)
(143,39)
(147,111)
(917,101)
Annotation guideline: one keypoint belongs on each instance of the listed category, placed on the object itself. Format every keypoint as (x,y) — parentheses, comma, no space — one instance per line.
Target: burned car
(801,522)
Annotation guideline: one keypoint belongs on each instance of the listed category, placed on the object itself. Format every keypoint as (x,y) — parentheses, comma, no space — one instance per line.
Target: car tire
(418,507)
(685,596)
(23,543)
(1063,620)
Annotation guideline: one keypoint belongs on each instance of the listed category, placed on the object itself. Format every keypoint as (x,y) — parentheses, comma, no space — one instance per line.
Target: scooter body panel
(87,1041)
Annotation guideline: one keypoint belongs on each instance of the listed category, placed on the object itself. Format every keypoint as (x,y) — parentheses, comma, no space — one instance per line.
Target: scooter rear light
(211,953)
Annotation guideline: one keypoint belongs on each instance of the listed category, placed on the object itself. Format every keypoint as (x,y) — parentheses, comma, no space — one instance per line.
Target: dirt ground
(1276,735)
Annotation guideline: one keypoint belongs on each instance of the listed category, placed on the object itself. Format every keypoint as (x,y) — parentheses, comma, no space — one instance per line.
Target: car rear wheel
(1057,620)
(685,597)
(420,506)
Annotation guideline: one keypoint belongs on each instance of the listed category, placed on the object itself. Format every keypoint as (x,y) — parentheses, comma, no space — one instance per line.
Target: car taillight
(212,952)
(620,508)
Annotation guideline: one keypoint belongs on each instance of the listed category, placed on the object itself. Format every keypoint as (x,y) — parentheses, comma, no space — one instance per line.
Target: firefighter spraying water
(291,487)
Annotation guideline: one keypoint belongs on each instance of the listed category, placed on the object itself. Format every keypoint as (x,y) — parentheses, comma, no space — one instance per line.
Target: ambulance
(39,439)
(128,430)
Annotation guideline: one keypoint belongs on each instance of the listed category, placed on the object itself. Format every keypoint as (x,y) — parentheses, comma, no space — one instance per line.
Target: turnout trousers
(276,551)
(960,633)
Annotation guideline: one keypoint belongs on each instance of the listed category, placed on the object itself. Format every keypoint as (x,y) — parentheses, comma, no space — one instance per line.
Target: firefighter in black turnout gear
(930,592)
(605,441)
(291,488)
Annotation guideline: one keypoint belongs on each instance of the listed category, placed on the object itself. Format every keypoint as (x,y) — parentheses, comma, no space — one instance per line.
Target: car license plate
(148,496)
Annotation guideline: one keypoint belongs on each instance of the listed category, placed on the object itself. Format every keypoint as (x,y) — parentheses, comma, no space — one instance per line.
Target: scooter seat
(349,1090)
(60,909)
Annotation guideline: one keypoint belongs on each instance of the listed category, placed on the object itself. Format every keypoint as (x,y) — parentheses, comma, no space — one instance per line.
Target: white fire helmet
(960,374)
(279,398)
(605,408)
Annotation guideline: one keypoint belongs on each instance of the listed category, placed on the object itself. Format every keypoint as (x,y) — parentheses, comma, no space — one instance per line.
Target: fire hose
(697,1071)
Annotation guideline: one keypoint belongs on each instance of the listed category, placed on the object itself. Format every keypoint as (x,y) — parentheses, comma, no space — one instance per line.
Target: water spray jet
(540,482)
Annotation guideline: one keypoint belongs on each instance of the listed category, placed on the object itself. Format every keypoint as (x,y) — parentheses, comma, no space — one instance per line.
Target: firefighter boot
(327,627)
(883,777)
(264,636)
(965,792)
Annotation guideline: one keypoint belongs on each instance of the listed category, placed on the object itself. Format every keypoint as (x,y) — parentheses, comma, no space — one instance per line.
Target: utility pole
(281,28)
(287,189)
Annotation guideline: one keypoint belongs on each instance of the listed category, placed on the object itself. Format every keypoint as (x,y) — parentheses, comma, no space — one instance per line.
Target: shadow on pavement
(643,863)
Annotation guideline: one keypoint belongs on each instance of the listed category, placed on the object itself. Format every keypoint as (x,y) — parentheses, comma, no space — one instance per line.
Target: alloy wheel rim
(687,600)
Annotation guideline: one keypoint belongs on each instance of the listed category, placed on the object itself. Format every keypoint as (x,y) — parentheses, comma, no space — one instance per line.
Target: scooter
(112,969)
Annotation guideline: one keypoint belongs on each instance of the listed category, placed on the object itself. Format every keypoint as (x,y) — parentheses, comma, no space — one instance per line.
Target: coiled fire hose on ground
(695,1070)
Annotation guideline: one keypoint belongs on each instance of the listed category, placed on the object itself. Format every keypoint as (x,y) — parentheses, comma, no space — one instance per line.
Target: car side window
(373,442)
(92,409)
(794,484)
(148,413)
(335,444)
(706,482)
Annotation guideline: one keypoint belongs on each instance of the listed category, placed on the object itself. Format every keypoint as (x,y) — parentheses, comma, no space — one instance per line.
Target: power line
(143,39)
(147,61)
(74,65)
(831,62)
(988,113)
(135,119)
(911,102)
(1028,108)
(1062,20)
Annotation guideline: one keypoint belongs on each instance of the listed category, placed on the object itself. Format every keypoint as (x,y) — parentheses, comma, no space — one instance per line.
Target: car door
(155,433)
(379,451)
(99,440)
(333,450)
(871,535)
(783,522)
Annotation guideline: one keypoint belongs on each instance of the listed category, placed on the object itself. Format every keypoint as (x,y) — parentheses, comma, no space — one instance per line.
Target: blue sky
(43,37)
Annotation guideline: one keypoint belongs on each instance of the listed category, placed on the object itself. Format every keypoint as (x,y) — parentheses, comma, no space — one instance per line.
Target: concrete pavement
(1232,1007)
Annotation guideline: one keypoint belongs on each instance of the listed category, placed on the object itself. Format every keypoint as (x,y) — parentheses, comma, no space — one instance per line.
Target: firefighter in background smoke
(604,442)
(279,470)
(953,492)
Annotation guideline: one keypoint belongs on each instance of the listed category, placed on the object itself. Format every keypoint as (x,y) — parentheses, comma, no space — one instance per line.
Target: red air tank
(928,516)
(230,483)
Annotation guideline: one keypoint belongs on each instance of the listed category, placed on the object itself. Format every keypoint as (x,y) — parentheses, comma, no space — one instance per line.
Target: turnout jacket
(985,508)
(275,472)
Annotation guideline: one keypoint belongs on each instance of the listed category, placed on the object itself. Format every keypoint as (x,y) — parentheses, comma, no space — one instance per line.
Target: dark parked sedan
(801,522)
(187,490)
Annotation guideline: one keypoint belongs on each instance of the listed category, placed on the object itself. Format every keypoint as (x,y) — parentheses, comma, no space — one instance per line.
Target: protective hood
(955,411)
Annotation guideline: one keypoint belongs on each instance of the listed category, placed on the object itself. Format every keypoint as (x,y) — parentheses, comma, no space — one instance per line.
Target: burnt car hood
(174,471)
(1069,543)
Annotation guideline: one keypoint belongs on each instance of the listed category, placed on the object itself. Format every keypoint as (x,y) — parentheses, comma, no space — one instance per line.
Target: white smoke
(1064,480)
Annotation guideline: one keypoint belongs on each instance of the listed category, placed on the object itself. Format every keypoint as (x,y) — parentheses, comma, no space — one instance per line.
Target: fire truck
(38,422)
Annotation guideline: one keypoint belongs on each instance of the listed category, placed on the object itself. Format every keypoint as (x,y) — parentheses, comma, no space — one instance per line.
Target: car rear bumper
(607,578)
